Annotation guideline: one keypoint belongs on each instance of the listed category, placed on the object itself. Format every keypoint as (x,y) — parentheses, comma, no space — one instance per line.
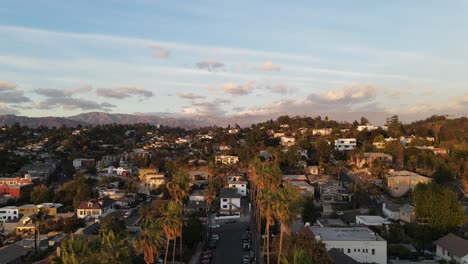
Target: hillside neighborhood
(290,190)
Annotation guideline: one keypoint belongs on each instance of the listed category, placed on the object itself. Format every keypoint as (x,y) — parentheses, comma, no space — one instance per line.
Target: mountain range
(174,120)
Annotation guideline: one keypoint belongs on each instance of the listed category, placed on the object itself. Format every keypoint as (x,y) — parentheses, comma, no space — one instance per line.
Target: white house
(241,187)
(371,220)
(452,247)
(287,141)
(227,159)
(197,196)
(345,144)
(359,243)
(95,208)
(230,201)
(322,131)
(391,211)
(8,213)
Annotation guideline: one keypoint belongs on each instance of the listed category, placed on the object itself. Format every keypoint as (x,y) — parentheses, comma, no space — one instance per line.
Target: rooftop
(345,233)
(454,244)
(372,219)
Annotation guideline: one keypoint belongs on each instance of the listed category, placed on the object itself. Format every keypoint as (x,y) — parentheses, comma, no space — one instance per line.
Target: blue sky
(228,58)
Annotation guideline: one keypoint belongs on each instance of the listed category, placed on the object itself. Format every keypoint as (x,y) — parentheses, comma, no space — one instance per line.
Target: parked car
(246,259)
(215,226)
(246,245)
(215,237)
(212,244)
(339,213)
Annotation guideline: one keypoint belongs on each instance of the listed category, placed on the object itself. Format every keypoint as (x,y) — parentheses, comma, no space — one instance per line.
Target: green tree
(310,212)
(438,206)
(40,194)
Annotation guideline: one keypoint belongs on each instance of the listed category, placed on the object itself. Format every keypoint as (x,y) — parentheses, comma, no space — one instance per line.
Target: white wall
(357,250)
(241,188)
(230,204)
(8,213)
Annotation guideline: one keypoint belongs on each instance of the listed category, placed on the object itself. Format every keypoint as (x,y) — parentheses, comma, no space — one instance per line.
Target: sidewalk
(196,256)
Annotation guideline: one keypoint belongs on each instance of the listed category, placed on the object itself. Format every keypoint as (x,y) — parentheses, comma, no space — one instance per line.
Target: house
(338,257)
(241,187)
(83,163)
(345,144)
(13,254)
(391,211)
(95,208)
(360,243)
(8,213)
(320,179)
(407,214)
(151,177)
(287,141)
(304,187)
(197,196)
(371,220)
(15,190)
(289,178)
(227,159)
(400,182)
(334,192)
(322,131)
(452,247)
(369,158)
(371,127)
(330,222)
(379,144)
(230,201)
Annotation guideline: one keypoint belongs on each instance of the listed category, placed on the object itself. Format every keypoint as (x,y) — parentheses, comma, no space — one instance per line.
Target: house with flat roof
(371,220)
(359,243)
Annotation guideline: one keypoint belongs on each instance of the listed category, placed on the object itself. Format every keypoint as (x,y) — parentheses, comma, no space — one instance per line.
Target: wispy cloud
(50,92)
(190,96)
(210,65)
(69,103)
(281,89)
(160,53)
(9,93)
(269,66)
(239,89)
(125,92)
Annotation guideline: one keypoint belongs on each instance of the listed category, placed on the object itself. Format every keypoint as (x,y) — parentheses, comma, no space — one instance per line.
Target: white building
(287,141)
(452,247)
(359,243)
(230,201)
(391,211)
(371,220)
(80,163)
(322,131)
(197,196)
(241,187)
(227,159)
(345,144)
(8,213)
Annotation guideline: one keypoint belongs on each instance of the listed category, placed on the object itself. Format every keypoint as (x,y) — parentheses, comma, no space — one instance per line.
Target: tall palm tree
(266,210)
(115,248)
(286,206)
(171,222)
(149,241)
(179,189)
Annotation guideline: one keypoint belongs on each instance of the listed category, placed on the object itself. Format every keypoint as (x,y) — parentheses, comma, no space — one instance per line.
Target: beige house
(407,214)
(152,178)
(400,182)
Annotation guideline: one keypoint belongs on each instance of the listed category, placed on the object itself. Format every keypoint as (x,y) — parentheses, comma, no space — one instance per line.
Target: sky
(229,58)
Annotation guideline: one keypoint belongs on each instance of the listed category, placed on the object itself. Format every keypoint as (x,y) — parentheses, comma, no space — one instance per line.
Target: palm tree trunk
(180,245)
(167,250)
(267,232)
(173,249)
(280,244)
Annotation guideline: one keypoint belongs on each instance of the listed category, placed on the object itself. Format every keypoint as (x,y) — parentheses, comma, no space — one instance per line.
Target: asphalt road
(229,247)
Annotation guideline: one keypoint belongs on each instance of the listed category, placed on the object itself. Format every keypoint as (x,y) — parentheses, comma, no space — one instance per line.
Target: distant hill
(8,120)
(174,120)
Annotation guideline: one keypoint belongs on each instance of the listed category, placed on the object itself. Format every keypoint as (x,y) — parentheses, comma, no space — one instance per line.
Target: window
(349,250)
(354,250)
(358,250)
(224,200)
(225,206)
(373,251)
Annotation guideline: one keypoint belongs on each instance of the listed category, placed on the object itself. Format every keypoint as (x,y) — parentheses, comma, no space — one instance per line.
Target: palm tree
(179,189)
(115,248)
(171,222)
(149,241)
(286,205)
(266,210)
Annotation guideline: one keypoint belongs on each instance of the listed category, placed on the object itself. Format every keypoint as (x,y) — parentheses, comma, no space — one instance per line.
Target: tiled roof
(454,244)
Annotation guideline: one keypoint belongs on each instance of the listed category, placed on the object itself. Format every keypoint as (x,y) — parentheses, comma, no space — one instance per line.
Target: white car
(214,226)
(246,259)
(339,213)
(215,237)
